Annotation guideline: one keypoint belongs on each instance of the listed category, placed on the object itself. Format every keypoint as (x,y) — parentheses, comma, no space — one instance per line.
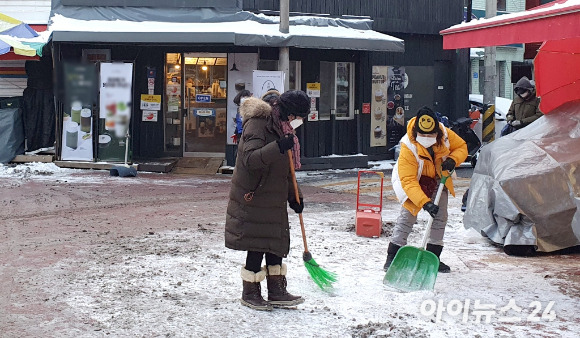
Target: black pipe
(469,10)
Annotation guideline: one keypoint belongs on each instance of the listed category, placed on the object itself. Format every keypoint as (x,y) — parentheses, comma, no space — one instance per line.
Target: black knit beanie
(295,102)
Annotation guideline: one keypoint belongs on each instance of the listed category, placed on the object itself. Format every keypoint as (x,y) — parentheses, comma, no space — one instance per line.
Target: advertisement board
(77,120)
(116,81)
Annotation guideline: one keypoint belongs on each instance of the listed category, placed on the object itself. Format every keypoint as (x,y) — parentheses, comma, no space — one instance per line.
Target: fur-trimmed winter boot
(252,293)
(391,252)
(436,249)
(278,296)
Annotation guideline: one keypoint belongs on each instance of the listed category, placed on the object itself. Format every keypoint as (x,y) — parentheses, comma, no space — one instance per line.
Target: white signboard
(149,115)
(313,115)
(265,80)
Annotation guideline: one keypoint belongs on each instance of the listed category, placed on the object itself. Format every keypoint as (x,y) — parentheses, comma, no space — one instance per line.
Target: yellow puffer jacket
(408,166)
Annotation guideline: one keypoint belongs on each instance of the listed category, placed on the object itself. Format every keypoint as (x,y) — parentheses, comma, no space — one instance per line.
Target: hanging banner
(398,81)
(239,78)
(380,86)
(265,80)
(115,110)
(80,97)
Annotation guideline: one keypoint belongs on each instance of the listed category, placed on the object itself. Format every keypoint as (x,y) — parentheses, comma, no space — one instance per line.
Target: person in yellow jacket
(427,150)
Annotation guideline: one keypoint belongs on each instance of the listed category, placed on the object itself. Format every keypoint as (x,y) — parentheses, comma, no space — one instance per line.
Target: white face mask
(242,100)
(296,123)
(426,141)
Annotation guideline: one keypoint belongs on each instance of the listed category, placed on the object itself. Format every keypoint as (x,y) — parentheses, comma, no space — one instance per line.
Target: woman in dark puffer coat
(257,218)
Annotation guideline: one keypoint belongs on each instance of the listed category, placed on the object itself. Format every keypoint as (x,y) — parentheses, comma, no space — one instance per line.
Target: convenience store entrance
(196,86)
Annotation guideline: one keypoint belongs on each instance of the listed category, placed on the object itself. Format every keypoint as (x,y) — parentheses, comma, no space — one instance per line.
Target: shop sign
(313,115)
(366,109)
(313,89)
(204,112)
(150,116)
(202,98)
(150,102)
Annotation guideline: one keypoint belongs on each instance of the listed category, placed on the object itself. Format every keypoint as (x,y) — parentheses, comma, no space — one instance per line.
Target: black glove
(431,208)
(448,164)
(285,143)
(297,207)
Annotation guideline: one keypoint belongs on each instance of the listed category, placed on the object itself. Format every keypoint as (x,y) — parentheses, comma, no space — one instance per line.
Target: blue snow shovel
(415,269)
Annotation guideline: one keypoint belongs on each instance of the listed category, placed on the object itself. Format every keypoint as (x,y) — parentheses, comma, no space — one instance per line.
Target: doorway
(195,103)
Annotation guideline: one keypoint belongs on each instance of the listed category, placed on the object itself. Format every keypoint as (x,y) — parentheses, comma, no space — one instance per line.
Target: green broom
(321,277)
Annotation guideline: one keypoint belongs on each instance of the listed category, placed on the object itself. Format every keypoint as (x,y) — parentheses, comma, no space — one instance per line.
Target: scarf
(286,129)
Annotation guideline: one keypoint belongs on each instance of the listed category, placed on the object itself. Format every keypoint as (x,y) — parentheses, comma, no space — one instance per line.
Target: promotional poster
(398,81)
(388,103)
(380,88)
(115,110)
(77,127)
(239,78)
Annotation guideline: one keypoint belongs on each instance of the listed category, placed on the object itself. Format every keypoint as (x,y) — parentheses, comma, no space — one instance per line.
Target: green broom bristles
(321,277)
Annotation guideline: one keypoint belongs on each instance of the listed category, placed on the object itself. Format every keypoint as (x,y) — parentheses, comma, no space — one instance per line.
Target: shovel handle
(297,196)
(436,202)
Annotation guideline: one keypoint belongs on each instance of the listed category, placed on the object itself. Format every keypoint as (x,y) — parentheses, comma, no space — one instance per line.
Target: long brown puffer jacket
(260,224)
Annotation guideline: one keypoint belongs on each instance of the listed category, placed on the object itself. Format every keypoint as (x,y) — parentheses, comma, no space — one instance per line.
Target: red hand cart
(368,222)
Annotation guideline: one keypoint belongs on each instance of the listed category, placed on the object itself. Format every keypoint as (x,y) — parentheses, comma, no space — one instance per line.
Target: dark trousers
(254,260)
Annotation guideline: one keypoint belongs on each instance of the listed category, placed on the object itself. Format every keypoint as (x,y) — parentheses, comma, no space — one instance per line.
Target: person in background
(428,150)
(261,190)
(525,107)
(238,100)
(271,96)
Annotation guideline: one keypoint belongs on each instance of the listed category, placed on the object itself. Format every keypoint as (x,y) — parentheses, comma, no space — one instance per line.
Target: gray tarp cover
(11,134)
(525,189)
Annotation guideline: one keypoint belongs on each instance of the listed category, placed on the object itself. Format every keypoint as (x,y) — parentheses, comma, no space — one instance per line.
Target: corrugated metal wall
(12,78)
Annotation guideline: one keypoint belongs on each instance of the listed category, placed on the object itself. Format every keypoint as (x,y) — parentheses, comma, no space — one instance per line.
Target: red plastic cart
(368,222)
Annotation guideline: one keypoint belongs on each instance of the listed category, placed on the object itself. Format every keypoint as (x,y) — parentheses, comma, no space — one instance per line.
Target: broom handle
(436,202)
(297,196)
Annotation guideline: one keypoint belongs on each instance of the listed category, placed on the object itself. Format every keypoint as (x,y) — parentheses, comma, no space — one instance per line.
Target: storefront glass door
(205,103)
(195,103)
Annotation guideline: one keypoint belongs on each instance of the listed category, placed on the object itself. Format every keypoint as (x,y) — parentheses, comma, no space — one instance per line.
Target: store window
(501,5)
(294,71)
(336,90)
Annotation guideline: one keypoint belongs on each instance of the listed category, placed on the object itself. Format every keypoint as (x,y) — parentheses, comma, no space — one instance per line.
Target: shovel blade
(413,269)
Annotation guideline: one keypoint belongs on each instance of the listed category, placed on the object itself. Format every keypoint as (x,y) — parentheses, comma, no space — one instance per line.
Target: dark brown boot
(278,296)
(252,293)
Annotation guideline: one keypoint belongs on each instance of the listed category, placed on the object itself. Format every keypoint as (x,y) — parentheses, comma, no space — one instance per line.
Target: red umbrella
(557,70)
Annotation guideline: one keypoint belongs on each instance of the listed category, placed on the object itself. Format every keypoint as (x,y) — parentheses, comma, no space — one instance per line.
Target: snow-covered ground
(183,282)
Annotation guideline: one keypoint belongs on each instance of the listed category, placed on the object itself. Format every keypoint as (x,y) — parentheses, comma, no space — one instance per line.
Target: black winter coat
(260,224)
